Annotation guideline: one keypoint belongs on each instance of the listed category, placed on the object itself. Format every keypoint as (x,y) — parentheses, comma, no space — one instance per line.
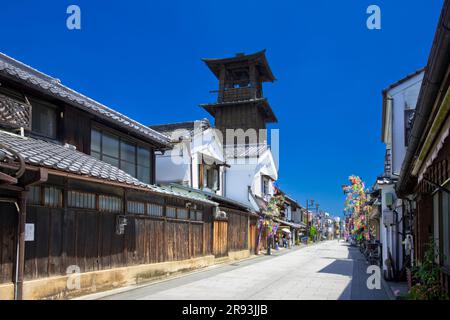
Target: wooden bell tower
(240,101)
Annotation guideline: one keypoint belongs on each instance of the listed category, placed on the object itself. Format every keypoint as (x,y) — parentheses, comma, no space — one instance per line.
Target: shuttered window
(44,119)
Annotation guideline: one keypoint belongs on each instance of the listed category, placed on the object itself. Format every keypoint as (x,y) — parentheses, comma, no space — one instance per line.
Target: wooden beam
(32,178)
(7,179)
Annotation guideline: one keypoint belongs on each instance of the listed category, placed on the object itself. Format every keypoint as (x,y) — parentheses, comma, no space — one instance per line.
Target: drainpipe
(20,258)
(21,207)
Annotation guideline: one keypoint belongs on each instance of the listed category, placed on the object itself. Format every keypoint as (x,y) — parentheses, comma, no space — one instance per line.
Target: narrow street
(326,271)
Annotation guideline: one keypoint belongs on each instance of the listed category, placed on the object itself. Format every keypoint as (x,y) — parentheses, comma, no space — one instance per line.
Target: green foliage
(427,278)
(312,231)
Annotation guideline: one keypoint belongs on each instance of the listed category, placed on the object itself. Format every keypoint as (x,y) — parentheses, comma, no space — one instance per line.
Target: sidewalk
(395,290)
(359,289)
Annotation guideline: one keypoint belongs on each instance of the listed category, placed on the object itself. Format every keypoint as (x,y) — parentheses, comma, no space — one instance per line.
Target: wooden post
(20,263)
(189,233)
(203,232)
(253,84)
(124,212)
(221,84)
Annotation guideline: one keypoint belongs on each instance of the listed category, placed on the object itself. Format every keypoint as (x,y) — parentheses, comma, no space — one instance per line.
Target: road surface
(328,270)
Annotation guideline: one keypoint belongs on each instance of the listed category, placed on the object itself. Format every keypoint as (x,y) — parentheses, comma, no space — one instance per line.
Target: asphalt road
(325,271)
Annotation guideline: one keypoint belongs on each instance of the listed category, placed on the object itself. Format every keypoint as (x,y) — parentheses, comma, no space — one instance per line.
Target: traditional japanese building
(399,104)
(196,165)
(424,182)
(241,167)
(240,100)
(77,194)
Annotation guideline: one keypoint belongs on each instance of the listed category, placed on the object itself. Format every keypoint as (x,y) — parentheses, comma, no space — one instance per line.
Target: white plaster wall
(167,171)
(238,179)
(404,97)
(389,237)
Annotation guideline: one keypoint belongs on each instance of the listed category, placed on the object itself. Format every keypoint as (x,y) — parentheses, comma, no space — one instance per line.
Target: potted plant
(427,278)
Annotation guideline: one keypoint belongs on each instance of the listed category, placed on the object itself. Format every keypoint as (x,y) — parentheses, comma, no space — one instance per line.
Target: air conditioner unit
(388,217)
(389,199)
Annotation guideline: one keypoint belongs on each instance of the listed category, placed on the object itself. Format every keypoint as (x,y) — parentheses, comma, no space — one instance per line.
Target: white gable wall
(404,96)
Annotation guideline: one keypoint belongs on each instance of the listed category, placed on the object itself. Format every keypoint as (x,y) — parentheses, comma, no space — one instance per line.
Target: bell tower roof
(240,60)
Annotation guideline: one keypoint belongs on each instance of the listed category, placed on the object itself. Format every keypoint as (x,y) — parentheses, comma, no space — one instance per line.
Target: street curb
(388,290)
(103,294)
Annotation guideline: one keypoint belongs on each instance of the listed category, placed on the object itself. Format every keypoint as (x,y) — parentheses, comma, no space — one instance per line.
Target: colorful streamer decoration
(355,207)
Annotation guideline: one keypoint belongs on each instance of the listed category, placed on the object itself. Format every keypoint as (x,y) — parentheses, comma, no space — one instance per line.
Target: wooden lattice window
(182,213)
(14,113)
(83,200)
(34,195)
(109,204)
(154,210)
(198,215)
(136,207)
(52,197)
(171,212)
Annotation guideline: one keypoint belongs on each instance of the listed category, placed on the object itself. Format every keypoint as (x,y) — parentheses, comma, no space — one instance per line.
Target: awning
(290,224)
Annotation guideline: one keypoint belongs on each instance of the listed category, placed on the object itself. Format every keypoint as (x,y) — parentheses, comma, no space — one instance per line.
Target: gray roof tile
(58,157)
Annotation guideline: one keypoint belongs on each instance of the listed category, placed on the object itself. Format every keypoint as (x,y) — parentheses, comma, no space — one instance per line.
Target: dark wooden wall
(8,223)
(87,239)
(220,238)
(238,225)
(239,116)
(438,172)
(77,129)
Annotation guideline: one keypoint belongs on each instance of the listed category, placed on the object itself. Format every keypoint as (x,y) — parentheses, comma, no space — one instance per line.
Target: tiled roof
(169,128)
(33,78)
(262,102)
(259,57)
(211,196)
(55,156)
(291,224)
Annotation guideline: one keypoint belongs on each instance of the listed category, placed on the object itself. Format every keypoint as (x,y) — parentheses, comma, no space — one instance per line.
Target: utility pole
(309,203)
(318,230)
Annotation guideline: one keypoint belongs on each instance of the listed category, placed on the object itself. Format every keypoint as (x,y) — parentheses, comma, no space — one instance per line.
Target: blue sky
(143,59)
